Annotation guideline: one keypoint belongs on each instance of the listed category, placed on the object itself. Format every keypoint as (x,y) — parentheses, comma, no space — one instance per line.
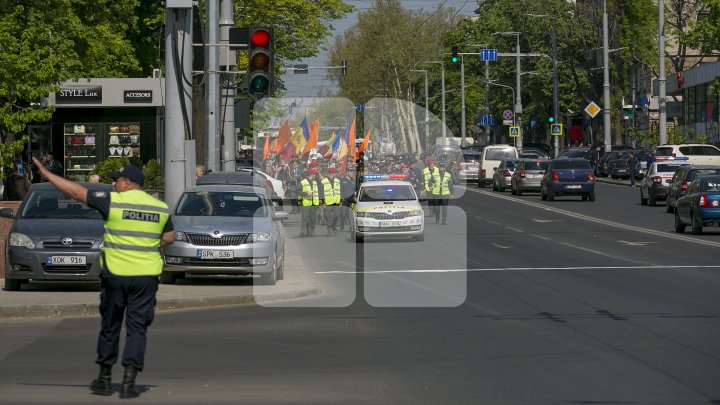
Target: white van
(697,153)
(490,160)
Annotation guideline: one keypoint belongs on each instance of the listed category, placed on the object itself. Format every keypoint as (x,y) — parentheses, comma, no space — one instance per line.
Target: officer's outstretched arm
(167,238)
(70,188)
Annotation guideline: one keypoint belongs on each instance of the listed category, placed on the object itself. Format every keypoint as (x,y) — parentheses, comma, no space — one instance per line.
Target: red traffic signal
(261,55)
(260,37)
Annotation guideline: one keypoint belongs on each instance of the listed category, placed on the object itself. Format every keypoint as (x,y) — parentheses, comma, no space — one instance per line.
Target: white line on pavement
(525,269)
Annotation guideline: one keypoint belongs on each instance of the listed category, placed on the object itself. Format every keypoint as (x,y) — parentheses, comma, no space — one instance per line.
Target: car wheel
(281,268)
(679,226)
(494,186)
(270,278)
(614,176)
(543,196)
(512,190)
(591,197)
(697,225)
(584,197)
(13,285)
(167,277)
(550,195)
(420,238)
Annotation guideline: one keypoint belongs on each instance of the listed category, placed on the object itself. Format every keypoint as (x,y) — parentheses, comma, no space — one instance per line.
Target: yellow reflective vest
(309,193)
(431,179)
(331,190)
(444,184)
(133,230)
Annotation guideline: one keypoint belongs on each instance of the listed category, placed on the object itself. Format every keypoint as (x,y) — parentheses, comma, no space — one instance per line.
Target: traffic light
(454,54)
(261,55)
(551,119)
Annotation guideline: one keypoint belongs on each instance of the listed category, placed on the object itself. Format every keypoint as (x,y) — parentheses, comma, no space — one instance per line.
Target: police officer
(347,192)
(136,226)
(431,176)
(309,197)
(443,194)
(331,194)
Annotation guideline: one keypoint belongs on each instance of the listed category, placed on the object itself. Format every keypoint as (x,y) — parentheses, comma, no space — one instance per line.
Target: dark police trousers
(131,297)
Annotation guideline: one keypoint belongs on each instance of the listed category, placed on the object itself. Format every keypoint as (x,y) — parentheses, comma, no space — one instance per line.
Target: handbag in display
(126,151)
(134,129)
(112,150)
(114,128)
(114,140)
(90,140)
(135,139)
(77,140)
(68,140)
(136,152)
(79,129)
(124,139)
(124,129)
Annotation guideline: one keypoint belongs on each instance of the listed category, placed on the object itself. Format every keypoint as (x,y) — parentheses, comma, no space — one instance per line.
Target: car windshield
(51,203)
(387,193)
(536,165)
(694,174)
(571,164)
(499,154)
(221,204)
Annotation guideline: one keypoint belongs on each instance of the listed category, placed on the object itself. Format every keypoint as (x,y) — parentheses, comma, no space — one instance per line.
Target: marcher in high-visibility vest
(331,193)
(137,225)
(444,194)
(347,191)
(431,176)
(309,198)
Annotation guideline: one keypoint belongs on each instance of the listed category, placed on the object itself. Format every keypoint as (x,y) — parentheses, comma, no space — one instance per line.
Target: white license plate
(388,224)
(65,260)
(573,186)
(621,170)
(214,254)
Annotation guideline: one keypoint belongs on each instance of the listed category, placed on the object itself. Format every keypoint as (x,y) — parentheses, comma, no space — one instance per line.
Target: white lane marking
(544,221)
(601,221)
(538,236)
(597,252)
(635,243)
(500,246)
(525,269)
(514,229)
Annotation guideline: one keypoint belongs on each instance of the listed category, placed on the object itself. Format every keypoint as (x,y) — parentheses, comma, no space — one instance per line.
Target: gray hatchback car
(226,230)
(53,238)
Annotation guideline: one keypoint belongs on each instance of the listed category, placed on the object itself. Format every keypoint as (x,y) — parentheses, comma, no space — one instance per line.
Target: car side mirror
(280,215)
(7,213)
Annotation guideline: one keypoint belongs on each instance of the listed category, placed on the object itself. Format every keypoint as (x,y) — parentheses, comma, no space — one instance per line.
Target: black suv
(682,178)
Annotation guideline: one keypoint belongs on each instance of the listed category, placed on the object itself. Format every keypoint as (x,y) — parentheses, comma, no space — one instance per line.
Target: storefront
(699,105)
(99,119)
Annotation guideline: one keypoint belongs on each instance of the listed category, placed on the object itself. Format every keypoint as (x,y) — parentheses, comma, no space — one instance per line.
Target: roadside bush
(154,177)
(106,167)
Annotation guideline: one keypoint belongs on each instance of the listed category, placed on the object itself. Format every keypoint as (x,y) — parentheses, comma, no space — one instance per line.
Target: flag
(305,130)
(335,142)
(350,140)
(284,135)
(296,144)
(266,147)
(364,143)
(324,149)
(312,142)
(342,150)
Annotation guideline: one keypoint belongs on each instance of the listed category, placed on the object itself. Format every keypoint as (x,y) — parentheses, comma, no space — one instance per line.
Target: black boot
(102,385)
(128,384)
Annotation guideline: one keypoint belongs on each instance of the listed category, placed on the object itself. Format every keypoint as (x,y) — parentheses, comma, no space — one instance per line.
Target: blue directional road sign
(514,132)
(360,107)
(556,129)
(487,120)
(488,54)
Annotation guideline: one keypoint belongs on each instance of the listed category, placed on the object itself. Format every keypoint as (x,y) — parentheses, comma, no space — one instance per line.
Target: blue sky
(307,85)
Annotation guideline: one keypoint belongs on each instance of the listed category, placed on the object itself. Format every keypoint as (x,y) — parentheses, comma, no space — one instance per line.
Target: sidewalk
(58,300)
(619,182)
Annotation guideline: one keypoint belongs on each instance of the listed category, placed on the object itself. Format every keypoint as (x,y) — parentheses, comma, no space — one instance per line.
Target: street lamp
(492,83)
(518,101)
(427,106)
(662,97)
(442,64)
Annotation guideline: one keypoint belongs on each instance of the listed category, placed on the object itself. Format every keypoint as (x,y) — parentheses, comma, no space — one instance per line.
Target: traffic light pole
(463,142)
(606,82)
(556,112)
(212,88)
(229,146)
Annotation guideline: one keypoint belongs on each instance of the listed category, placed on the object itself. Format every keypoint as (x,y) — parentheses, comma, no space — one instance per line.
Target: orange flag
(352,149)
(314,133)
(285,135)
(274,146)
(267,147)
(364,143)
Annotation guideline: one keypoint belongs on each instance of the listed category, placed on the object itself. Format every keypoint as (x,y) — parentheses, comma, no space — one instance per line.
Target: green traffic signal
(551,119)
(259,84)
(454,58)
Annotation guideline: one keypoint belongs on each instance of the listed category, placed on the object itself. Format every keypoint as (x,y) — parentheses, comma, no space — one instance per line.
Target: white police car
(386,205)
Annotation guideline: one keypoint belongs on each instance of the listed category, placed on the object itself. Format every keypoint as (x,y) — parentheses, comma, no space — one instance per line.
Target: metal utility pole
(427,108)
(662,102)
(606,82)
(227,60)
(178,101)
(442,77)
(212,87)
(462,102)
(518,99)
(556,109)
(487,98)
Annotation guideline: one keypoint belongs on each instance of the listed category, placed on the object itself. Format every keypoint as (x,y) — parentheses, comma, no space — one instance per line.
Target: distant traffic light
(551,119)
(261,55)
(454,58)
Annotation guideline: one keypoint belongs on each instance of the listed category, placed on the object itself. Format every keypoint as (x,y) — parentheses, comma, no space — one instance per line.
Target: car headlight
(360,214)
(20,239)
(416,213)
(181,236)
(258,237)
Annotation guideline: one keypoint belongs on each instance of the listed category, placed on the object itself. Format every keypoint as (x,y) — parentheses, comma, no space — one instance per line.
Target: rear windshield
(663,167)
(471,157)
(577,154)
(510,164)
(694,174)
(536,165)
(664,152)
(699,150)
(499,154)
(711,184)
(571,164)
(387,193)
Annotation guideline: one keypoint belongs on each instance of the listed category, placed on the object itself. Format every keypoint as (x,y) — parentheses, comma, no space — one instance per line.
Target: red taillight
(704,203)
(684,186)
(507,173)
(656,179)
(555,176)
(590,176)
(522,174)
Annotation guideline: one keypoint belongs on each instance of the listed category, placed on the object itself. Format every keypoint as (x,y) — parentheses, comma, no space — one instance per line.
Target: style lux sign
(79,95)
(137,96)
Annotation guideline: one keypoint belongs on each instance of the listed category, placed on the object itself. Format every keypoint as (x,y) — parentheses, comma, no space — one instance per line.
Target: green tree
(705,34)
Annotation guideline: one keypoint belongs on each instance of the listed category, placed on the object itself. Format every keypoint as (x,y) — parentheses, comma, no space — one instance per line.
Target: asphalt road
(515,301)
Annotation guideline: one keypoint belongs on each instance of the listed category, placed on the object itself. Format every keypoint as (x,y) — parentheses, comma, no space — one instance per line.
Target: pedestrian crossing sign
(556,129)
(514,132)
